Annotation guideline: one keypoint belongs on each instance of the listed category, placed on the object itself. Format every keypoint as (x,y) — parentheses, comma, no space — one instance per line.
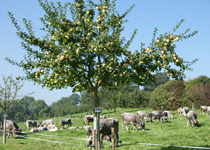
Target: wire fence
(83,139)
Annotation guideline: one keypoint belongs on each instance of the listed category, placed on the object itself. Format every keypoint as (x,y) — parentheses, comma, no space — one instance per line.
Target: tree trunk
(96,125)
(121,111)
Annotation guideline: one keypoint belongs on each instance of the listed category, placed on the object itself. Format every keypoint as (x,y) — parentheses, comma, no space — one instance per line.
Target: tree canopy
(83,48)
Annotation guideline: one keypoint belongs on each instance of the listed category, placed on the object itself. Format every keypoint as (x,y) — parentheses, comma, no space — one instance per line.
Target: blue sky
(146,15)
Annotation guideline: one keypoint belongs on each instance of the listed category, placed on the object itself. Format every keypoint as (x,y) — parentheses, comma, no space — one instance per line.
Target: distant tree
(168,95)
(199,94)
(40,109)
(160,78)
(9,92)
(201,79)
(86,104)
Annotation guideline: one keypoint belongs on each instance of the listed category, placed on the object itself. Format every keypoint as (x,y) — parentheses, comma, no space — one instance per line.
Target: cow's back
(129,117)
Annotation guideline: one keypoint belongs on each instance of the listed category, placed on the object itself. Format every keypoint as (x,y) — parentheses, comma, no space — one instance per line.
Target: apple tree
(83,48)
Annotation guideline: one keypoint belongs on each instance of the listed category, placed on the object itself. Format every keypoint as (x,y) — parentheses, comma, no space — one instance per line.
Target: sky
(146,15)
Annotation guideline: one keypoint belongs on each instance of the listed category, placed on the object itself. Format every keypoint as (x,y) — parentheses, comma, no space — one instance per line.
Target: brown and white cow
(191,118)
(88,119)
(31,123)
(105,130)
(203,109)
(12,128)
(133,119)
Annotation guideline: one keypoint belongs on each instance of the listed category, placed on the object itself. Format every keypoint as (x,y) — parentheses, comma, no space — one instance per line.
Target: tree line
(166,93)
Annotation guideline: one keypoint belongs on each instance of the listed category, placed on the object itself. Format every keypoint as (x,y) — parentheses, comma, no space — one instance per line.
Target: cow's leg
(126,127)
(117,139)
(188,123)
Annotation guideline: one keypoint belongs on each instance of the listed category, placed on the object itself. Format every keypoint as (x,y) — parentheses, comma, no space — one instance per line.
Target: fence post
(93,143)
(113,145)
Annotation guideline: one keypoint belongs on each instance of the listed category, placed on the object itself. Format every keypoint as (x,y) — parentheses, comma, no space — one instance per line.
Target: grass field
(168,135)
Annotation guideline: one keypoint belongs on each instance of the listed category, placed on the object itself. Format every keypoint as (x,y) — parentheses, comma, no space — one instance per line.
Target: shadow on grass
(171,147)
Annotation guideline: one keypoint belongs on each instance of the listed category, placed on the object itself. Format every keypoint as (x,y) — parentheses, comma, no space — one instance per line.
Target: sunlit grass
(173,132)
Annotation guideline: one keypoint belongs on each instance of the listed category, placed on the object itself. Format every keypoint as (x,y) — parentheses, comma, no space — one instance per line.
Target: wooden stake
(113,145)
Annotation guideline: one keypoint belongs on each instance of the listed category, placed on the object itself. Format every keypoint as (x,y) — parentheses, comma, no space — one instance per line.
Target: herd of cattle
(137,120)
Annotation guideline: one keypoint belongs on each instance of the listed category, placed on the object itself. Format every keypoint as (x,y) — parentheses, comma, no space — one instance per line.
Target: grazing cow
(73,128)
(105,130)
(86,127)
(142,115)
(208,110)
(185,110)
(66,121)
(30,123)
(203,109)
(12,128)
(88,119)
(179,111)
(45,123)
(129,118)
(191,118)
(169,114)
(158,115)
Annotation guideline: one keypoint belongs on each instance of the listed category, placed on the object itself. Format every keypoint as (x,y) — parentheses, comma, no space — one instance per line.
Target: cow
(12,128)
(179,111)
(51,126)
(30,123)
(157,114)
(169,114)
(142,115)
(66,121)
(191,118)
(105,130)
(73,128)
(45,123)
(88,119)
(86,127)
(185,110)
(129,118)
(203,109)
(208,110)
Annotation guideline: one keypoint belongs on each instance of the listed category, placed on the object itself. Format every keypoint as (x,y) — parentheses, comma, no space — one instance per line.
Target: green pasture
(169,134)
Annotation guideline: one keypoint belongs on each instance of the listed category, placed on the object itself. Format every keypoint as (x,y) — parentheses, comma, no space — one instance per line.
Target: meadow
(167,135)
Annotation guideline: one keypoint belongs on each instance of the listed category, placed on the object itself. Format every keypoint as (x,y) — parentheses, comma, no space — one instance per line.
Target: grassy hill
(167,135)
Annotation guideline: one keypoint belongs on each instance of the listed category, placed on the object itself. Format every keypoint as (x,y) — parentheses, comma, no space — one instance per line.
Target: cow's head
(89,137)
(196,123)
(142,126)
(18,132)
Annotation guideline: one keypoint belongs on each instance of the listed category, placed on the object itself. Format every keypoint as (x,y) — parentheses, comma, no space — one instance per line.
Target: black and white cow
(45,123)
(133,119)
(191,118)
(12,128)
(105,130)
(30,123)
(203,109)
(66,121)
